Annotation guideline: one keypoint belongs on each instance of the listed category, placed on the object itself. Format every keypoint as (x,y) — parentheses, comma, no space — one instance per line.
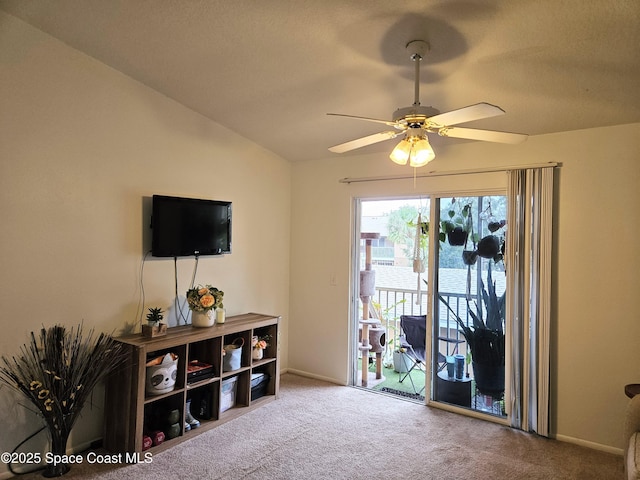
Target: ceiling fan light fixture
(422,153)
(415,149)
(402,152)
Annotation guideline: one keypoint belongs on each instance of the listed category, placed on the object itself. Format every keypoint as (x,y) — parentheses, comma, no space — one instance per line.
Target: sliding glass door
(436,334)
(391,268)
(468,325)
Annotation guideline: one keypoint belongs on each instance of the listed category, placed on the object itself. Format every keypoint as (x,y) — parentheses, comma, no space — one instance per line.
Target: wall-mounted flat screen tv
(183,227)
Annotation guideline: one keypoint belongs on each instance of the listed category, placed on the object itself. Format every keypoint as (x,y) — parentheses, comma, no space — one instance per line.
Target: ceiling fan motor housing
(414,116)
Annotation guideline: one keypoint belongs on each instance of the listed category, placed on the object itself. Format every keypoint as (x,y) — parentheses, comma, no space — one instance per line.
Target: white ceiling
(270,70)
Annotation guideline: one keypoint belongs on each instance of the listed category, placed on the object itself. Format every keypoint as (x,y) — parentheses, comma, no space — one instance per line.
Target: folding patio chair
(413,340)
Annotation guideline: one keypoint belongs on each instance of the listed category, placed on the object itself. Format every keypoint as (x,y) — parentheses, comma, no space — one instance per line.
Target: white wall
(81,147)
(596,271)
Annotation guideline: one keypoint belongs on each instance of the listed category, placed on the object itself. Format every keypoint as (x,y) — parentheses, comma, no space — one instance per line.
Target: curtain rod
(435,173)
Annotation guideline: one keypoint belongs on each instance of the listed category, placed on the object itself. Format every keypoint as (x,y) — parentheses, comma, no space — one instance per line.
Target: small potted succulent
(154,326)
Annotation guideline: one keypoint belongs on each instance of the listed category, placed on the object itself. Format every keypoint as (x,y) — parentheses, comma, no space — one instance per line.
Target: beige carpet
(317,430)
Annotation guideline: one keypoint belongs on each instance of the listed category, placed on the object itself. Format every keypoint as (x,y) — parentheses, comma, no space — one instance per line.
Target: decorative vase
(258,353)
(59,439)
(202,319)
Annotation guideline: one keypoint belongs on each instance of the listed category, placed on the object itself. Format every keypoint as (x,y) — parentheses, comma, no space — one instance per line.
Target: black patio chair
(413,340)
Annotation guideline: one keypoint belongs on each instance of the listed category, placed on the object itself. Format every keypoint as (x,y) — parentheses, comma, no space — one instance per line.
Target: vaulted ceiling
(270,70)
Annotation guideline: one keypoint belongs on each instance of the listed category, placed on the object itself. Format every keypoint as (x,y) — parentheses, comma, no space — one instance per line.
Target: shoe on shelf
(193,423)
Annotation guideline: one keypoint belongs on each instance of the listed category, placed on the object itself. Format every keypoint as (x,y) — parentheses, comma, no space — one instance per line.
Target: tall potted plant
(486,338)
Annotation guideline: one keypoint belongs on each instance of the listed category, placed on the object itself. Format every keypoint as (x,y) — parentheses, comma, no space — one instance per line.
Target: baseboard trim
(586,443)
(302,373)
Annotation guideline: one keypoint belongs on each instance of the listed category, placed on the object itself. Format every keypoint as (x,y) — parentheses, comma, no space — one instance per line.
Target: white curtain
(528,263)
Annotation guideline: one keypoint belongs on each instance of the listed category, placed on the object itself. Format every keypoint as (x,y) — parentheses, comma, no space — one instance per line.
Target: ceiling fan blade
(484,135)
(466,114)
(385,122)
(364,141)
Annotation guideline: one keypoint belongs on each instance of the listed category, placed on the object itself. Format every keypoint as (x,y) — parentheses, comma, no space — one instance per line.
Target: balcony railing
(394,302)
(379,256)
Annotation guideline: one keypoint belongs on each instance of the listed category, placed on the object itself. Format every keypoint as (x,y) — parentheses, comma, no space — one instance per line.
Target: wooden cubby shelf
(215,396)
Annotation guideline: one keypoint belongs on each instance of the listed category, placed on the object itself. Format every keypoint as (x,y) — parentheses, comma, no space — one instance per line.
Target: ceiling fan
(416,121)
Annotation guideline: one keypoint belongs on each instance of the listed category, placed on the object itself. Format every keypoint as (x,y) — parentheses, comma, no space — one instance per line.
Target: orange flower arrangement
(202,299)
(260,342)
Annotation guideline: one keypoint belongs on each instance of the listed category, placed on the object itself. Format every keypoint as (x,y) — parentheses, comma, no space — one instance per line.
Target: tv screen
(187,226)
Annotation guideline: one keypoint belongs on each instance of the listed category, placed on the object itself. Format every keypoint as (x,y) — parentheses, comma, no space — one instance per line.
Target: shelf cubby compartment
(204,361)
(234,392)
(242,338)
(265,372)
(203,402)
(165,378)
(164,415)
(269,332)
